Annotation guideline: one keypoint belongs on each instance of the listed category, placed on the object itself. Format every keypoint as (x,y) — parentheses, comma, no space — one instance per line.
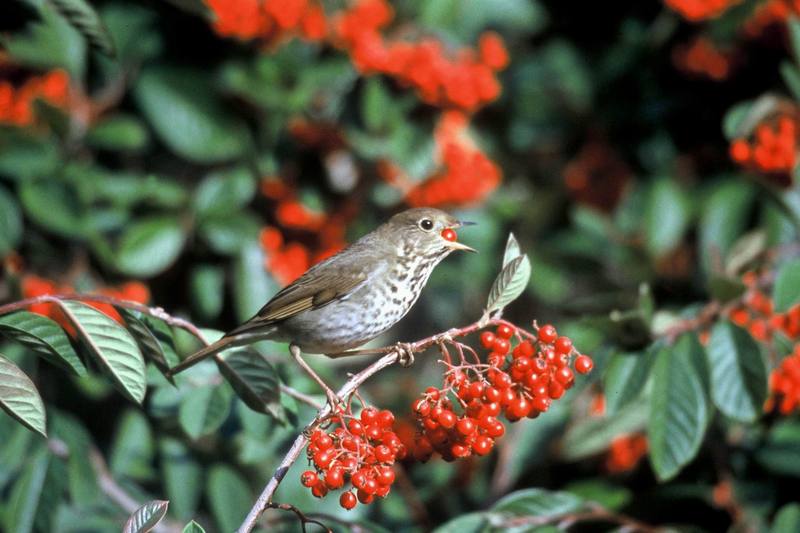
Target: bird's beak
(458,246)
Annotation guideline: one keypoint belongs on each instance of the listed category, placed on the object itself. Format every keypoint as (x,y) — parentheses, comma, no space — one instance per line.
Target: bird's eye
(426,224)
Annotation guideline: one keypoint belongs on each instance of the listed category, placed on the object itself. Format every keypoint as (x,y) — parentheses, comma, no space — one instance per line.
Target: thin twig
(596,513)
(304,519)
(300,396)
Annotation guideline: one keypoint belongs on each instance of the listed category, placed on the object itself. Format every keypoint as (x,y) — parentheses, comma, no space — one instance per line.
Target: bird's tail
(208,351)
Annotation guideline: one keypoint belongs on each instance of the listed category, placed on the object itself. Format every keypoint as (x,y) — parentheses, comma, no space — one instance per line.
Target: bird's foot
(405,354)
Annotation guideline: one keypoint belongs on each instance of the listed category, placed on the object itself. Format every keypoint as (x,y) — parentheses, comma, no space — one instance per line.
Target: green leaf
(476,522)
(745,252)
(254,380)
(10,223)
(594,435)
(252,285)
(182,477)
(119,132)
(738,374)
(228,234)
(44,336)
(786,292)
(625,378)
(180,105)
(223,192)
(538,502)
(204,411)
(146,340)
(81,478)
(229,496)
(678,413)
(780,453)
(724,217)
(207,285)
(132,449)
(193,527)
(509,284)
(150,246)
(24,155)
(54,206)
(111,346)
(26,496)
(791,77)
(794,36)
(787,520)
(146,517)
(512,250)
(84,18)
(20,399)
(49,41)
(667,215)
(376,105)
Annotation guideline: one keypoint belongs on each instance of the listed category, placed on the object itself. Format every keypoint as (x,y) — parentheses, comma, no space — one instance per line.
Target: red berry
(556,390)
(355,427)
(382,491)
(449,234)
(524,349)
(523,365)
(334,478)
(491,409)
(385,418)
(501,380)
(491,394)
(370,486)
(308,478)
(350,444)
(359,479)
(459,450)
(482,445)
(365,497)
(487,339)
(369,416)
(319,490)
(347,500)
(565,376)
(547,333)
(385,475)
(432,393)
(476,389)
(465,426)
(372,432)
(383,454)
(541,403)
(504,331)
(519,408)
(583,364)
(496,430)
(563,345)
(500,346)
(323,458)
(421,407)
(447,419)
(324,442)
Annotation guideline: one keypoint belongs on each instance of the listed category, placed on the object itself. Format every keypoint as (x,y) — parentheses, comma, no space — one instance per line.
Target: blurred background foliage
(197,156)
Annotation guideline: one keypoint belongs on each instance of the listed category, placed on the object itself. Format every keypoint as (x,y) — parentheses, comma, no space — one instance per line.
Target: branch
(595,513)
(264,501)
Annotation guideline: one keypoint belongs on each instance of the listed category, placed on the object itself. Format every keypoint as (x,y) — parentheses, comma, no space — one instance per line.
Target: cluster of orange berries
(769,14)
(360,451)
(16,103)
(465,79)
(757,315)
(519,382)
(33,286)
(286,259)
(784,383)
(268,19)
(773,148)
(700,57)
(697,10)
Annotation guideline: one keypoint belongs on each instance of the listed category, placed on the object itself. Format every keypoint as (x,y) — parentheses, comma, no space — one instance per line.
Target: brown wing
(313,290)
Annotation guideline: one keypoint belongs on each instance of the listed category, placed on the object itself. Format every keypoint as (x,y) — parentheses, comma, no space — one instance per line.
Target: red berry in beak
(449,234)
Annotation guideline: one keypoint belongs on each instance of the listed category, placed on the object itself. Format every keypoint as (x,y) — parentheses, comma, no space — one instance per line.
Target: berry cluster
(360,451)
(784,384)
(268,19)
(697,10)
(33,286)
(16,104)
(757,315)
(773,149)
(701,57)
(304,237)
(461,418)
(767,15)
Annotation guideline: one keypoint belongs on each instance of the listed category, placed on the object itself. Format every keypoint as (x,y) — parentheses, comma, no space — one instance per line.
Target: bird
(353,296)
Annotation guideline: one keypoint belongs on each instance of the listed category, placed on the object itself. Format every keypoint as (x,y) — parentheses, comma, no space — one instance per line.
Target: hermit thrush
(353,296)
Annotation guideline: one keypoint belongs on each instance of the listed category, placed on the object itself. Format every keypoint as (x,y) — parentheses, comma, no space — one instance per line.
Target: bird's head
(429,231)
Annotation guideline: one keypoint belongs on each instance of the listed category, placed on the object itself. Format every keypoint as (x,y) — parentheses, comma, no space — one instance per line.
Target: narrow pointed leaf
(786,292)
(193,527)
(146,340)
(678,413)
(84,18)
(204,411)
(738,374)
(253,379)
(26,497)
(19,397)
(43,336)
(510,283)
(146,517)
(112,346)
(512,249)
(538,502)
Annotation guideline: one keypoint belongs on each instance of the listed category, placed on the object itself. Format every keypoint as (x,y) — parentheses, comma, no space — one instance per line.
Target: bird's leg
(404,349)
(405,354)
(333,399)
